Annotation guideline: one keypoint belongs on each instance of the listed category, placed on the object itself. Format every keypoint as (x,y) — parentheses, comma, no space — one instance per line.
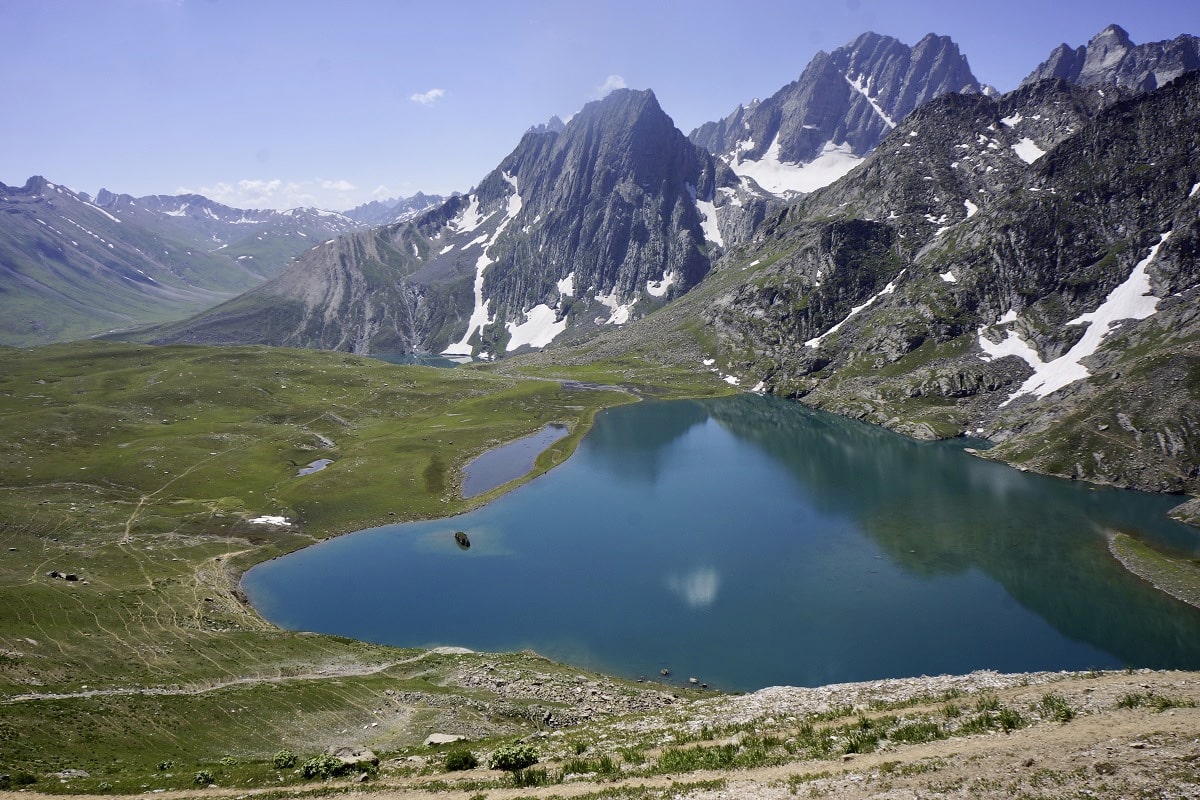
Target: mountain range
(72,265)
(886,237)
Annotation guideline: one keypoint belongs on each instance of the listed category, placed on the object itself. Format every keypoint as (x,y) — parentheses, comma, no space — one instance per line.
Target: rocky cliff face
(1112,58)
(1022,268)
(817,128)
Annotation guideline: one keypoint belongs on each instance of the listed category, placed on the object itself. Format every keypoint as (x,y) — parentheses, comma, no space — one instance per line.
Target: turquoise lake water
(751,542)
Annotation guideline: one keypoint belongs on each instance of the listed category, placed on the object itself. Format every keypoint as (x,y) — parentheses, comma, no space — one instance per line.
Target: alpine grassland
(133,486)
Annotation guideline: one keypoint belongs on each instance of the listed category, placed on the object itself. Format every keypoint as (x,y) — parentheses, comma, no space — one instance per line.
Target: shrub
(1010,719)
(163,766)
(988,702)
(202,778)
(1131,700)
(457,760)
(513,757)
(1055,706)
(284,759)
(633,755)
(323,766)
(917,732)
(523,778)
(228,761)
(16,779)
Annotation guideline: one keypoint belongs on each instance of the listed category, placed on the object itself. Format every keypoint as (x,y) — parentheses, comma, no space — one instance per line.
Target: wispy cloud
(610,83)
(279,194)
(425,98)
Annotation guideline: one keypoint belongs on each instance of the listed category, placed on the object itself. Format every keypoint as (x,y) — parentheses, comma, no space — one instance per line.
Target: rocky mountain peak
(817,128)
(1111,57)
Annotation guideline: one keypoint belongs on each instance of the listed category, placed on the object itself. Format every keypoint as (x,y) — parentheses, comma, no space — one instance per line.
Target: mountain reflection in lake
(749,542)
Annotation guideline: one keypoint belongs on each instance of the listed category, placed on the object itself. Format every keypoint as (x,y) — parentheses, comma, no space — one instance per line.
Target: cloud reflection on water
(698,588)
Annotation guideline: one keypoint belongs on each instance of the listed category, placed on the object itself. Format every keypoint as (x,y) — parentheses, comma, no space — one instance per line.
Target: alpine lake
(750,542)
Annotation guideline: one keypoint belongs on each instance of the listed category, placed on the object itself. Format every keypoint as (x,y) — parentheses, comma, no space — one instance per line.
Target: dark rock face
(853,96)
(591,224)
(1111,58)
(979,222)
(614,199)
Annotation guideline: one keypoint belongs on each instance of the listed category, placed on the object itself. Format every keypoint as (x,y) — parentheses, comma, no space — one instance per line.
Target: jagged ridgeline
(1023,267)
(589,224)
(820,126)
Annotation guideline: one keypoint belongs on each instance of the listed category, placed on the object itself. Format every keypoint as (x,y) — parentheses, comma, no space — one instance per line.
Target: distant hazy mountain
(817,128)
(1111,58)
(71,265)
(396,209)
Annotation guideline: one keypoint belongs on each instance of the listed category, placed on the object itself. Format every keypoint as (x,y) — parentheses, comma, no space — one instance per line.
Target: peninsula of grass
(133,486)
(1178,577)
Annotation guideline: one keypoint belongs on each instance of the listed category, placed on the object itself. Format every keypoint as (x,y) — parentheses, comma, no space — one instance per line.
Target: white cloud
(278,194)
(610,83)
(425,98)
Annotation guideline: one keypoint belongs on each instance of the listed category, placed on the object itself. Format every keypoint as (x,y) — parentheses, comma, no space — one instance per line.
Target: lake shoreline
(1176,577)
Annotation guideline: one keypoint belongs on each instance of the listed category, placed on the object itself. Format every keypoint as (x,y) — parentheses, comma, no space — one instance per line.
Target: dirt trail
(171,691)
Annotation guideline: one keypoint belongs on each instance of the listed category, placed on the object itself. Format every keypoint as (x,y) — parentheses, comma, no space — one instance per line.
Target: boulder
(434,739)
(354,757)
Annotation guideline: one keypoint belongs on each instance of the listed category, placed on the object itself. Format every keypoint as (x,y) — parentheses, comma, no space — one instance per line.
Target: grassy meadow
(136,471)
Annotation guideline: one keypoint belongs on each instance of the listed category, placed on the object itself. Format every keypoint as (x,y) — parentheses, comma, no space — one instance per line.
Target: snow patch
(659,288)
(1195,190)
(567,285)
(708,218)
(782,177)
(469,219)
(948,277)
(1028,151)
(269,520)
(620,313)
(102,211)
(972,209)
(538,329)
(481,314)
(179,212)
(1013,120)
(857,83)
(445,250)
(891,287)
(1130,300)
(732,380)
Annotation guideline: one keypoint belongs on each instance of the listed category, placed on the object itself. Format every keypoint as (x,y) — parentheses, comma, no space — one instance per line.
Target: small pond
(314,466)
(508,462)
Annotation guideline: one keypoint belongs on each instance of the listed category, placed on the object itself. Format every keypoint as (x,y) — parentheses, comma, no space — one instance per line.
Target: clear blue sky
(277,103)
